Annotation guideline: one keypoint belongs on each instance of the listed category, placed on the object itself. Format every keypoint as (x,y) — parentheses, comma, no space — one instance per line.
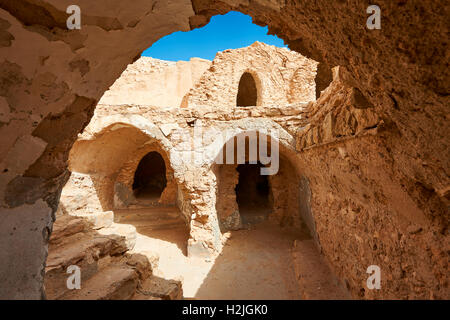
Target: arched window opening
(247,92)
(150,177)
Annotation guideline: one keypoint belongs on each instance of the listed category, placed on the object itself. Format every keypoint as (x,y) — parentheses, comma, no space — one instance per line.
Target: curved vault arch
(124,193)
(111,155)
(100,125)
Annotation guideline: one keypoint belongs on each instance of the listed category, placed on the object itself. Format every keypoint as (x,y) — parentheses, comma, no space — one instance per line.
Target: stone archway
(244,189)
(146,179)
(150,177)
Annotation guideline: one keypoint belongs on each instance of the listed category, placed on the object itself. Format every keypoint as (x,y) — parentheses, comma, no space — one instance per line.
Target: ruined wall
(155,82)
(51,79)
(280,75)
(284,189)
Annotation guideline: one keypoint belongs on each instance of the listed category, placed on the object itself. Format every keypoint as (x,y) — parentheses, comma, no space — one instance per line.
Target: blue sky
(230,31)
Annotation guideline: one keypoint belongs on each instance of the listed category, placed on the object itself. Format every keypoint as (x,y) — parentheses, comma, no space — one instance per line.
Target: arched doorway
(150,177)
(247,95)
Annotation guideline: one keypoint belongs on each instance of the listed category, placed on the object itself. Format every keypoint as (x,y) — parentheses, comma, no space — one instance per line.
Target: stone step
(115,282)
(77,247)
(156,288)
(158,224)
(99,254)
(56,278)
(140,263)
(161,225)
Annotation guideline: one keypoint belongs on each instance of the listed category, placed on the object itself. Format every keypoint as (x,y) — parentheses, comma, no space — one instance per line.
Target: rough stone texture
(390,192)
(24,233)
(315,279)
(160,288)
(340,113)
(107,271)
(281,76)
(370,213)
(227,207)
(79,196)
(155,82)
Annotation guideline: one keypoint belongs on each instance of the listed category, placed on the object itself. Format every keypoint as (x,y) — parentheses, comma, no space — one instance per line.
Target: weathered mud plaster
(50,75)
(110,148)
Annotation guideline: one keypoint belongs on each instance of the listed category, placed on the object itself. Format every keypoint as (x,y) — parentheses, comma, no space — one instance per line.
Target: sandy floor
(254,264)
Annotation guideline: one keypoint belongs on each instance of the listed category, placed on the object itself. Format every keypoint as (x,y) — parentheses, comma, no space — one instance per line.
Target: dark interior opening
(252,192)
(150,177)
(247,93)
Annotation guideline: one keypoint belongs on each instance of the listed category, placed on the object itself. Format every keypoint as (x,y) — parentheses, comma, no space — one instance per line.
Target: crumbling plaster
(51,79)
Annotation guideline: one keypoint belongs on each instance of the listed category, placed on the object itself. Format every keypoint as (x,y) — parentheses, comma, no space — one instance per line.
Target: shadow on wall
(323,79)
(304,203)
